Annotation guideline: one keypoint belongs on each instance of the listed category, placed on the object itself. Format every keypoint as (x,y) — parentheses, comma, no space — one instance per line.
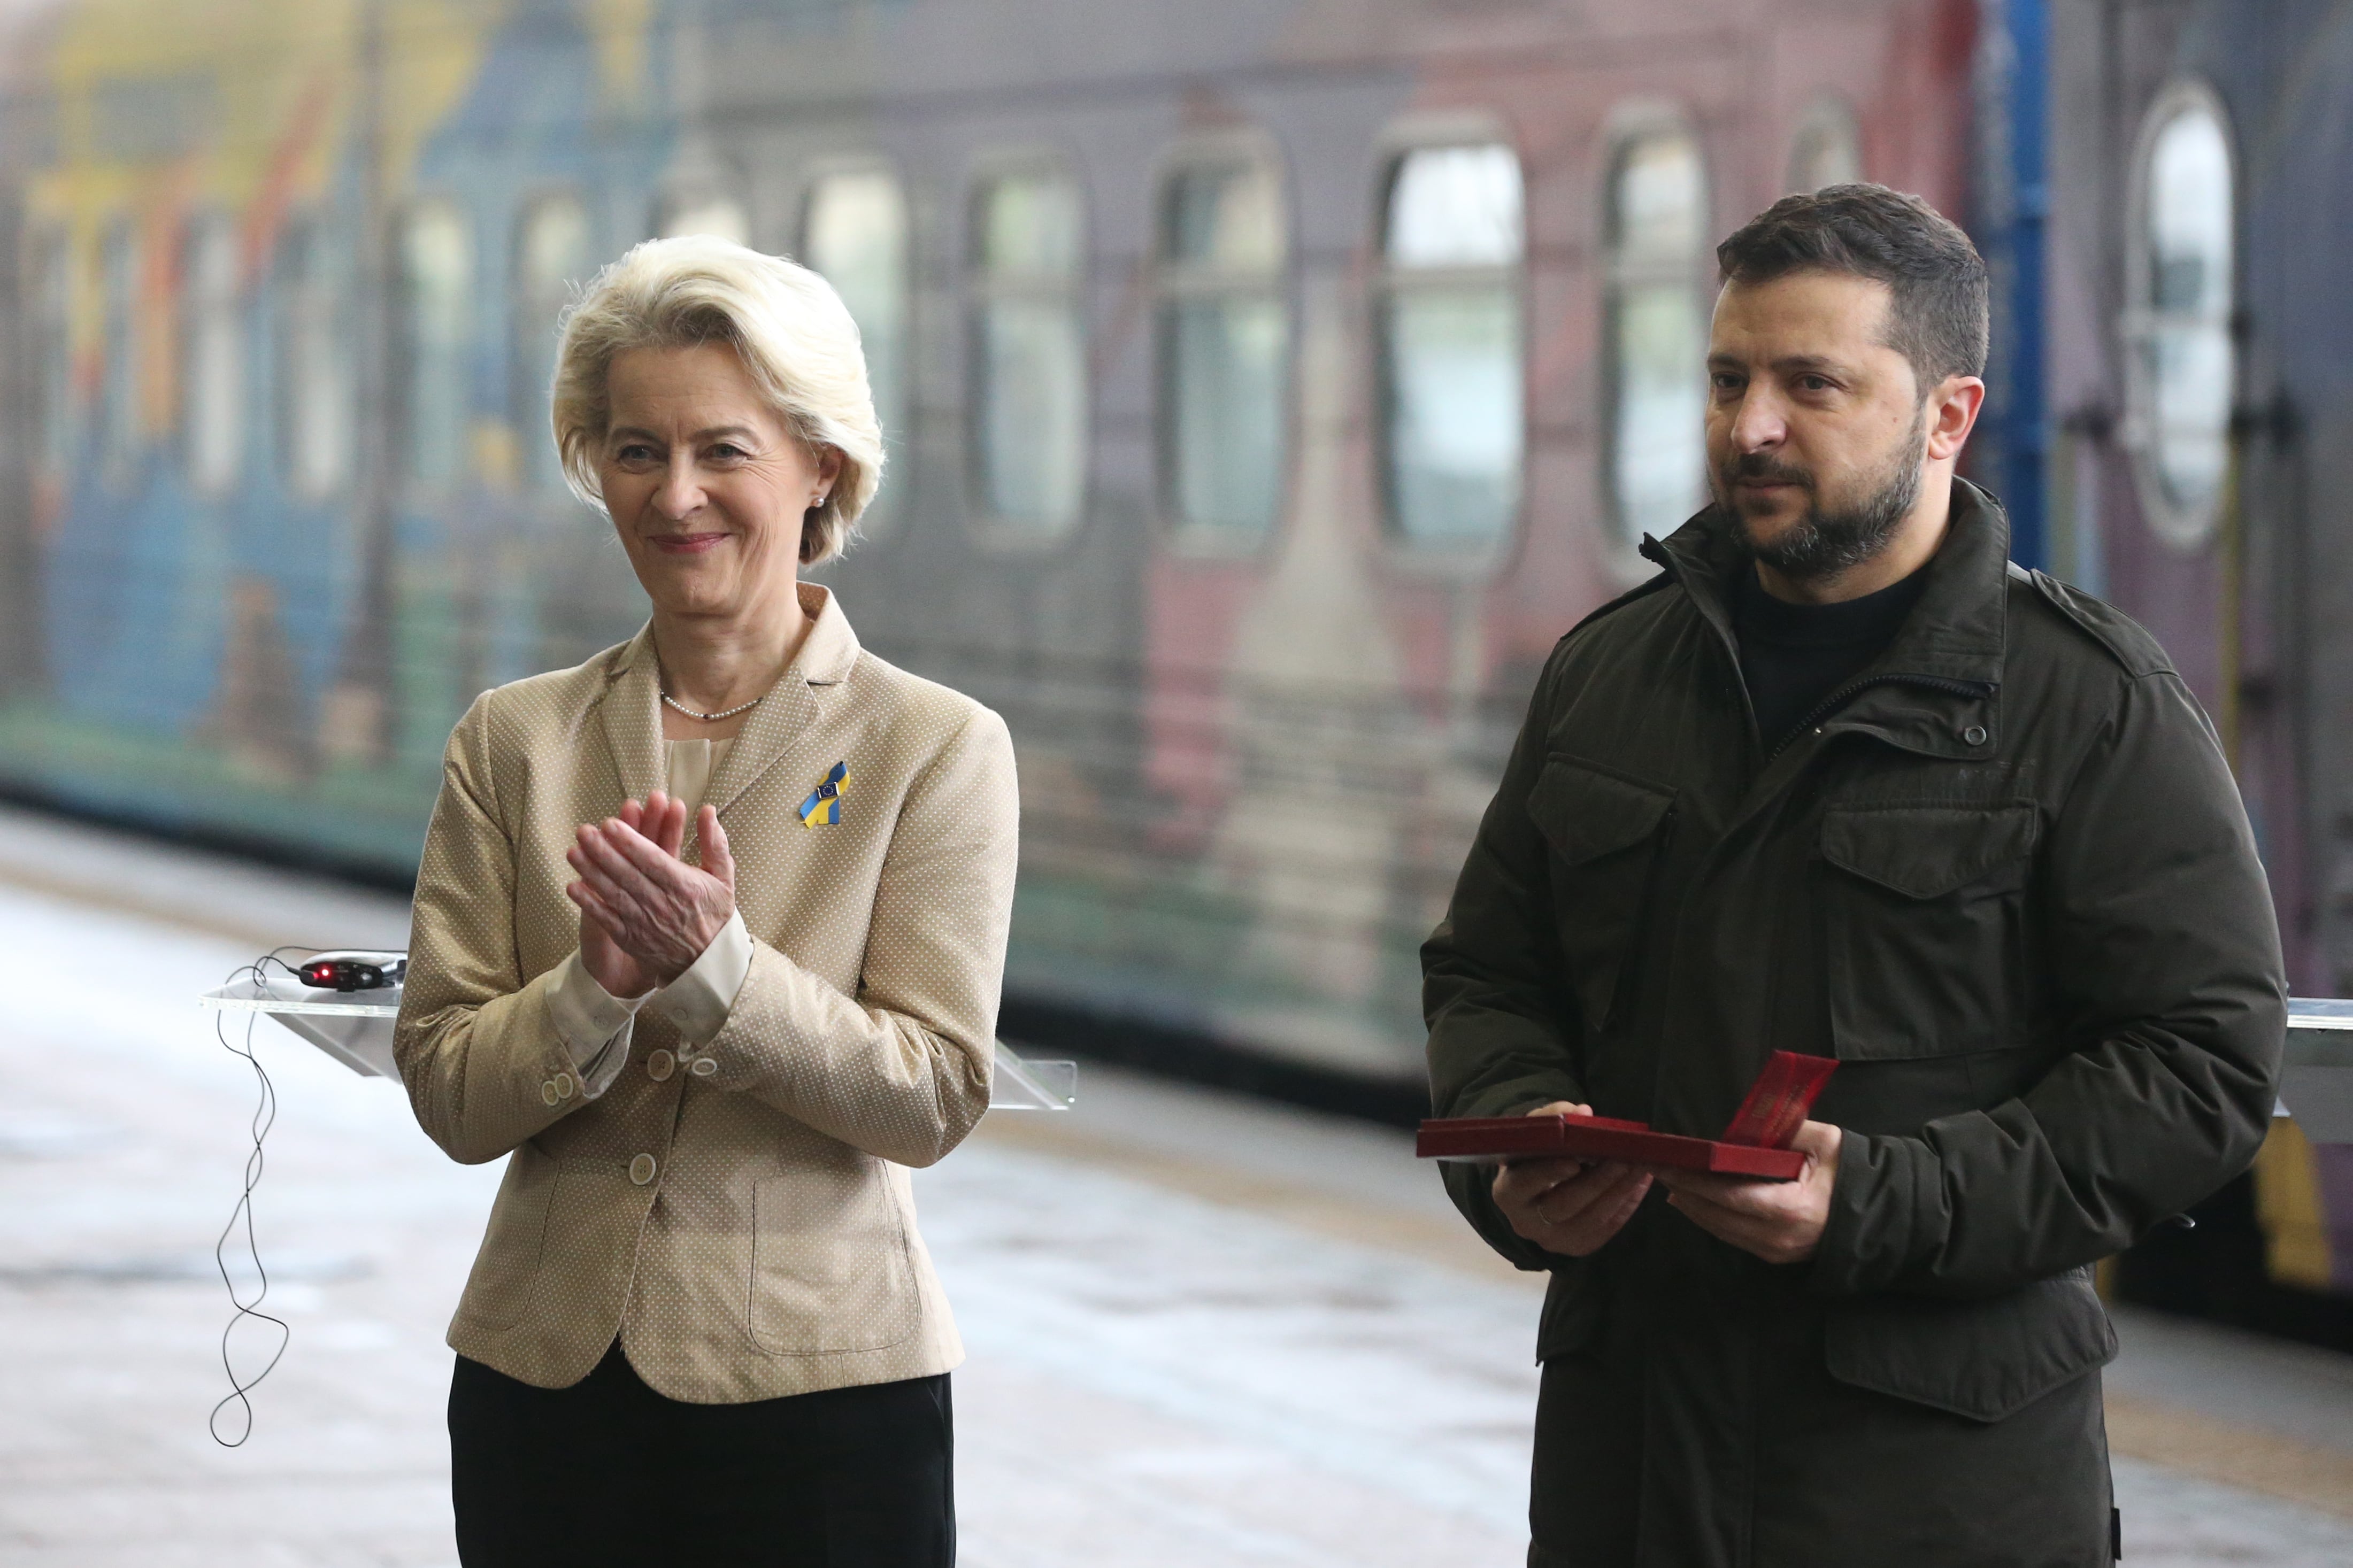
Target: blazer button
(1975,735)
(641,1169)
(547,1091)
(563,1086)
(661,1065)
(703,1067)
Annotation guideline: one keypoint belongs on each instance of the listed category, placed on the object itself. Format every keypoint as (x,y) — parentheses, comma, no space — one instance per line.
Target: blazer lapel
(787,722)
(631,715)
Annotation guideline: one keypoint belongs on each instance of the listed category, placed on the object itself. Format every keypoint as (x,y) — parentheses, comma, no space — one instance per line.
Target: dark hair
(1938,317)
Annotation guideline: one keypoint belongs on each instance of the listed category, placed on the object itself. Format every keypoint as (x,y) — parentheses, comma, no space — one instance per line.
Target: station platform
(1201,1328)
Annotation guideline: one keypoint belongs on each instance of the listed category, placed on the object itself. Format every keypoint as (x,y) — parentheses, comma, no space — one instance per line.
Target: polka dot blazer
(745,1227)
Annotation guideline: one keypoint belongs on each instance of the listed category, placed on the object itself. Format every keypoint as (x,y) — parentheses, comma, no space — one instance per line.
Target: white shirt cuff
(699,1001)
(593,1023)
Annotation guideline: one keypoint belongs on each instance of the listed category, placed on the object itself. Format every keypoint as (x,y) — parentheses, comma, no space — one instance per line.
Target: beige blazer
(746,1228)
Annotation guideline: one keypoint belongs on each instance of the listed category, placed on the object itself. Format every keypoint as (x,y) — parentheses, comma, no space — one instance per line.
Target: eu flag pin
(823,807)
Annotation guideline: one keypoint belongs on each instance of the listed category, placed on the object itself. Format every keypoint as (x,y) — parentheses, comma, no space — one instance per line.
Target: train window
(118,397)
(1828,147)
(1449,331)
(714,214)
(854,233)
(551,258)
(212,356)
(1223,337)
(1028,355)
(2182,360)
(1655,335)
(314,380)
(436,264)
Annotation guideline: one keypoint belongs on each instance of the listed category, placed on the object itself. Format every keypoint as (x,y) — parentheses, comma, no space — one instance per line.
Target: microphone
(353,970)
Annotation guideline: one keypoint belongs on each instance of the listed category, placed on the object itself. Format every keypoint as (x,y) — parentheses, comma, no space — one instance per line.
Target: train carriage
(2200,477)
(1267,386)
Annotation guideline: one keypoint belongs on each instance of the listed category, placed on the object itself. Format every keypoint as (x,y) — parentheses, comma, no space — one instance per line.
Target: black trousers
(609,1472)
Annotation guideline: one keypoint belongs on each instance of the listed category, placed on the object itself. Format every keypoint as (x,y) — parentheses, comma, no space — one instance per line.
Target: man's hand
(644,914)
(1781,1222)
(1565,1206)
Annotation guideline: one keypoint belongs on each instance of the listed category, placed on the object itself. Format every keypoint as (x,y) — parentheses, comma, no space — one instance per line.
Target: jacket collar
(1960,628)
(1940,678)
(632,705)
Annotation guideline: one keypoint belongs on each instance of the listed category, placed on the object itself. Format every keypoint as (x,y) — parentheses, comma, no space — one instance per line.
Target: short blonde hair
(787,325)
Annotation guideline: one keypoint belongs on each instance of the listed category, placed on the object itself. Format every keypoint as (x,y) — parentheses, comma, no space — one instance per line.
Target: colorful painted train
(1269,383)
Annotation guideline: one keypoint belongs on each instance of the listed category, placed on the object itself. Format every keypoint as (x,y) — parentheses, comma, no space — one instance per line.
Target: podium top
(355,1028)
(279,996)
(2319,1012)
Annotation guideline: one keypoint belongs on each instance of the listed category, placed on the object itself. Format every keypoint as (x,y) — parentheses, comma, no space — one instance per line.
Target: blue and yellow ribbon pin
(823,807)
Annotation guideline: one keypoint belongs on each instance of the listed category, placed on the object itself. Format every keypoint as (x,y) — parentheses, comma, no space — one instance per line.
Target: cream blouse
(596,1025)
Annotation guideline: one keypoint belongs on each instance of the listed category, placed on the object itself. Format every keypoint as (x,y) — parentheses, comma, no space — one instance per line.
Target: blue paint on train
(2025,416)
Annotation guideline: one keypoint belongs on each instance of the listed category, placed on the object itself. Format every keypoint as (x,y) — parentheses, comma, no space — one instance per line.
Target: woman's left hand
(655,907)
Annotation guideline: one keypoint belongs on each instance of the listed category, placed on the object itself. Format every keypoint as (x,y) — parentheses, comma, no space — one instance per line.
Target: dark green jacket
(2005,878)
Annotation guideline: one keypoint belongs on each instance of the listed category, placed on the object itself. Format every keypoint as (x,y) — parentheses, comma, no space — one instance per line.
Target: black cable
(265,1114)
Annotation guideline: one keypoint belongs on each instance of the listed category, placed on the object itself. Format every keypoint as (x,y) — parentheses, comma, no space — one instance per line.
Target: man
(1842,781)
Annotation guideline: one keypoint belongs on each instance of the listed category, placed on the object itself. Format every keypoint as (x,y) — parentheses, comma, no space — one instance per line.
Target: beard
(1825,542)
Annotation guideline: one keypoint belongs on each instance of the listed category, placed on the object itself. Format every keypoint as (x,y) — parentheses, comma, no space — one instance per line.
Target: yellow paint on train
(158,111)
(161,109)
(621,28)
(2289,1209)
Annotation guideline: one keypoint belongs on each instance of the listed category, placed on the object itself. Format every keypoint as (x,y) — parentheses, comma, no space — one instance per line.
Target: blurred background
(1269,384)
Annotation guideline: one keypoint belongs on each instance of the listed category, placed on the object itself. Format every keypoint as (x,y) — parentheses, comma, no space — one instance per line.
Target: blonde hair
(784,322)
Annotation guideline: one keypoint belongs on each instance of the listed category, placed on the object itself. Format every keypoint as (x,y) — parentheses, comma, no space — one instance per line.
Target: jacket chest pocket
(1607,835)
(1924,934)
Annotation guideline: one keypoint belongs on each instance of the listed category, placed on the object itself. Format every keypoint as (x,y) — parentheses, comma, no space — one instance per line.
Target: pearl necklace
(714,718)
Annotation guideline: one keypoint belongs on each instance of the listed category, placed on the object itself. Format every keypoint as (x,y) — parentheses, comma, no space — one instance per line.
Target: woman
(709,935)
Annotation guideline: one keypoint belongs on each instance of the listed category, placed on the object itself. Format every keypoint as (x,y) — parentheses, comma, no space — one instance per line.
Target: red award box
(1755,1144)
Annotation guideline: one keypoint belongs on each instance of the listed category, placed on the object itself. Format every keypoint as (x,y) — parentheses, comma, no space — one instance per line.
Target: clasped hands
(644,914)
(1573,1208)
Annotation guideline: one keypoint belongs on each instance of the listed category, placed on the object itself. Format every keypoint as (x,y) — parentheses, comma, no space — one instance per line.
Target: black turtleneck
(1794,655)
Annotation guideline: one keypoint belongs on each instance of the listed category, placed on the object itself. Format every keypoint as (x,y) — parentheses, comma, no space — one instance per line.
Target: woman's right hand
(617,972)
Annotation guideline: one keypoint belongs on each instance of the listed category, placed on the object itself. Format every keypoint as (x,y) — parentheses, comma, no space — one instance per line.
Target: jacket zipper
(1847,693)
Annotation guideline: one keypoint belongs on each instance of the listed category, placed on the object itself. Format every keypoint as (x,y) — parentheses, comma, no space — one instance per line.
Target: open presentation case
(1756,1143)
(2316,1088)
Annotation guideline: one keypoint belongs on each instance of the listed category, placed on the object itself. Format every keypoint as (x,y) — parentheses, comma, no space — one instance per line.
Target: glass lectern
(355,1028)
